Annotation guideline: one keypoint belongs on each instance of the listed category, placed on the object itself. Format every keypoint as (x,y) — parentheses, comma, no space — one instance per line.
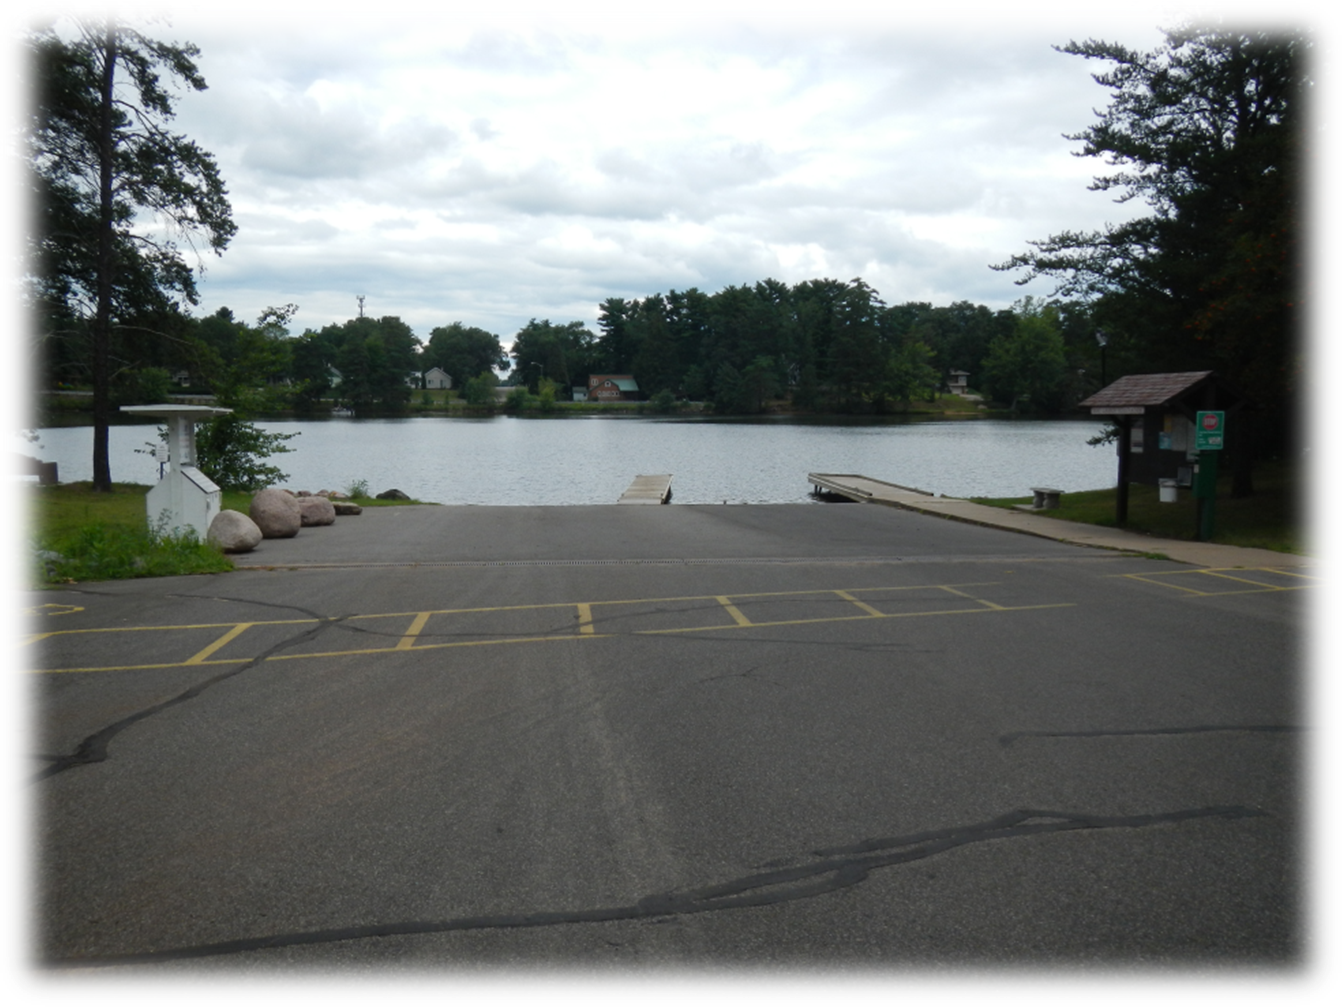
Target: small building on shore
(613,388)
(437,378)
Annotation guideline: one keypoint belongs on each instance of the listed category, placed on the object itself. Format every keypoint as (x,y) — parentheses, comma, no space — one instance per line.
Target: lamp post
(541,371)
(1102,338)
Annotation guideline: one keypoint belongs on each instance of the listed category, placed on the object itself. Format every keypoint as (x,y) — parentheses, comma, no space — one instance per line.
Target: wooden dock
(863,488)
(648,490)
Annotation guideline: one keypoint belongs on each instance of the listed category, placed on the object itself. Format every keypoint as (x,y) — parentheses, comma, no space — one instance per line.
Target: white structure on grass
(185,497)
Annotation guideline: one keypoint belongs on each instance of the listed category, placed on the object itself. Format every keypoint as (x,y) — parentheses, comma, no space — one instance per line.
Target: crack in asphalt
(94,747)
(835,868)
(1011,737)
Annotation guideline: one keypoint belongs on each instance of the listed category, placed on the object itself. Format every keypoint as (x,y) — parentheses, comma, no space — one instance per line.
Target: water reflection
(590,460)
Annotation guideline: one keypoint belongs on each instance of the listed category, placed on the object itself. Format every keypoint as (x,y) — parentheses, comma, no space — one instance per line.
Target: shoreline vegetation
(79,535)
(61,408)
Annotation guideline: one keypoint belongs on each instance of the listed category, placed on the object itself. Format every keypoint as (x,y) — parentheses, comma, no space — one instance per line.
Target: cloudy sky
(494,168)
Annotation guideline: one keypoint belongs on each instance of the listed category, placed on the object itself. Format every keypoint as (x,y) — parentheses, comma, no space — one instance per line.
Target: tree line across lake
(819,345)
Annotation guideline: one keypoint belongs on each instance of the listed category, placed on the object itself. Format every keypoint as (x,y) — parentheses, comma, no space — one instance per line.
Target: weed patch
(104,552)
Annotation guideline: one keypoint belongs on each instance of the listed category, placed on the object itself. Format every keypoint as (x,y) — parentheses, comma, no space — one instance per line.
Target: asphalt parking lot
(691,735)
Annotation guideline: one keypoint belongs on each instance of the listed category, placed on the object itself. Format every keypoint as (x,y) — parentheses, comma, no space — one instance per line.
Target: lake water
(591,460)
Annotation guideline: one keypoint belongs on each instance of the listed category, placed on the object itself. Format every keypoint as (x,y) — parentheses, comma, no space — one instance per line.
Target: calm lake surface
(591,460)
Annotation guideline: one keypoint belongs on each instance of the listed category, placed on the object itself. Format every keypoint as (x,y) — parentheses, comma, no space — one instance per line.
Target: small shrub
(230,451)
(663,402)
(479,391)
(358,488)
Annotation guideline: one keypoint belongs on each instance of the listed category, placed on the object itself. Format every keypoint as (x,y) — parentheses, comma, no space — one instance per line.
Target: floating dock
(648,490)
(863,488)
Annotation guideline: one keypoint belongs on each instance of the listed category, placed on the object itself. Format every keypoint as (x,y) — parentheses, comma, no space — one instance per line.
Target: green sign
(1209,430)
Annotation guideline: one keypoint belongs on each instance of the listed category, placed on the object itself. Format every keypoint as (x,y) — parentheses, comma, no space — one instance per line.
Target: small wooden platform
(648,490)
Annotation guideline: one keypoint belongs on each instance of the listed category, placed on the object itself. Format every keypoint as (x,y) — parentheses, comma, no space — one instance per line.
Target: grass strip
(80,535)
(1271,518)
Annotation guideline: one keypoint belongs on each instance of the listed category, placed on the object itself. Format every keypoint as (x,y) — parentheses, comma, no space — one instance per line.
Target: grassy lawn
(103,537)
(1270,519)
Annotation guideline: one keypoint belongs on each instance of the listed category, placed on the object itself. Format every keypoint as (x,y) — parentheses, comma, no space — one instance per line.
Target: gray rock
(276,513)
(393,495)
(347,508)
(316,510)
(233,532)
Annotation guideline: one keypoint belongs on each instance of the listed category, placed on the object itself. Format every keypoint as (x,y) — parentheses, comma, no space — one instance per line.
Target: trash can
(1170,491)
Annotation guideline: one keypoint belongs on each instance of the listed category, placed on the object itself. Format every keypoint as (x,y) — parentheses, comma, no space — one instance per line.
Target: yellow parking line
(1290,573)
(733,611)
(412,631)
(439,644)
(1243,580)
(1260,587)
(199,657)
(586,630)
(870,610)
(1162,584)
(848,619)
(967,595)
(24,640)
(139,668)
(1251,591)
(175,626)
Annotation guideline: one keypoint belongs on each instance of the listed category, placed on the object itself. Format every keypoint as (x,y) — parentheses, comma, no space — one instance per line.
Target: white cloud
(492,169)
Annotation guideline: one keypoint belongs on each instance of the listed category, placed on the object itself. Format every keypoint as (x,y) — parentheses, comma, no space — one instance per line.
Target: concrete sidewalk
(1202,554)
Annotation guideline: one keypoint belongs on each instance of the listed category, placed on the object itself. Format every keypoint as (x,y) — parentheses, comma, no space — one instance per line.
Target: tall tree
(1029,365)
(240,360)
(1206,131)
(376,358)
(115,190)
(463,351)
(615,346)
(563,353)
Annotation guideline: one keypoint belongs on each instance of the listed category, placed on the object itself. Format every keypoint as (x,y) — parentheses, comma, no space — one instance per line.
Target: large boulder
(276,513)
(233,532)
(347,507)
(316,510)
(393,495)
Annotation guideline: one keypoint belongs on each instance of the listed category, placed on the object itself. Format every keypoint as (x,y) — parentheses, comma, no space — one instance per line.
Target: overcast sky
(494,168)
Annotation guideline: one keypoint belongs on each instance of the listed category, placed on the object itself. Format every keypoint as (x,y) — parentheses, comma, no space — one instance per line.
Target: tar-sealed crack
(830,869)
(94,748)
(1011,737)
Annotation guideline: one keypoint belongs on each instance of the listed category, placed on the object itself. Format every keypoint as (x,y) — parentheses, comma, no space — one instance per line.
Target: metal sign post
(1209,436)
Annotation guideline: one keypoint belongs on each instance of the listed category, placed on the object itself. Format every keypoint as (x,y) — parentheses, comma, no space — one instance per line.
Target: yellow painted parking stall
(189,645)
(1211,581)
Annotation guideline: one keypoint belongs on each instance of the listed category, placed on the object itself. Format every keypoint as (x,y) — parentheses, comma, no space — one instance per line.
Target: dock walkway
(648,490)
(1204,554)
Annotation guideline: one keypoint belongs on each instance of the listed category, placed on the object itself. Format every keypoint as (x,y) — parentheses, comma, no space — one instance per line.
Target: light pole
(1102,338)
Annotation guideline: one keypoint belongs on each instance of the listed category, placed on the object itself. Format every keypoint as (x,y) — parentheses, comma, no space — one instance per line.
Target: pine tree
(114,191)
(1206,130)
